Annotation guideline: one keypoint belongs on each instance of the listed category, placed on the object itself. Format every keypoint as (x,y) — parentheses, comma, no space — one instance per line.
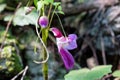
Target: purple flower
(43,21)
(64,44)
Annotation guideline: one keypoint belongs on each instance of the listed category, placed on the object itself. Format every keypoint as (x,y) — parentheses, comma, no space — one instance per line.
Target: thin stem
(23,71)
(43,8)
(52,17)
(61,24)
(49,10)
(35,50)
(94,53)
(103,51)
(29,2)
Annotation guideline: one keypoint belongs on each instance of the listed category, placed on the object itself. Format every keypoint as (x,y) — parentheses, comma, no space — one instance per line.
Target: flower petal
(56,32)
(72,36)
(66,57)
(72,44)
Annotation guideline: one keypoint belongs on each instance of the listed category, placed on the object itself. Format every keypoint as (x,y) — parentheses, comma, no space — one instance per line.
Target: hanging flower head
(43,21)
(64,44)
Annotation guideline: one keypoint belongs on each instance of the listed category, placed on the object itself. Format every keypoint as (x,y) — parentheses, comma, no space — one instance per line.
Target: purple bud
(43,21)
(29,9)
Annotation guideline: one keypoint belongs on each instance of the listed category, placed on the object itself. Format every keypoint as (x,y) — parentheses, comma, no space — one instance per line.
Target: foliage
(21,18)
(116,73)
(86,74)
(2,7)
(95,25)
(10,61)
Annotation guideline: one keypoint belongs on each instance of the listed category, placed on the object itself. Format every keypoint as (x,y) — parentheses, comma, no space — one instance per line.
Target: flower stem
(52,17)
(45,65)
(61,24)
(45,52)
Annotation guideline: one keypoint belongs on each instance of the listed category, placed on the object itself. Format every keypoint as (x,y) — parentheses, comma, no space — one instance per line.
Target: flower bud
(43,21)
(56,32)
(28,9)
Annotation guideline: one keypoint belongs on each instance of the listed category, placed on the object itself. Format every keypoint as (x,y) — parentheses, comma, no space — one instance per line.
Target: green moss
(10,62)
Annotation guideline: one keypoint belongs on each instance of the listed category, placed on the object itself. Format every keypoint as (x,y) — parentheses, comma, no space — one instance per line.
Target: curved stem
(45,53)
(44,45)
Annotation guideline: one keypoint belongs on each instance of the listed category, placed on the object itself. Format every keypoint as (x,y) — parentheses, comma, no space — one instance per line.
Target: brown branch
(95,4)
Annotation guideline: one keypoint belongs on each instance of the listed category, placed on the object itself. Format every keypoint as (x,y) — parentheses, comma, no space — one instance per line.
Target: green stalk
(45,65)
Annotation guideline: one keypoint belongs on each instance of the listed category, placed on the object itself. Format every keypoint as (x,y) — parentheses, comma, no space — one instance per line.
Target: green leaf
(116,73)
(50,1)
(98,72)
(56,3)
(46,2)
(22,19)
(1,1)
(35,2)
(2,7)
(39,5)
(77,74)
(60,12)
(59,8)
(8,17)
(86,74)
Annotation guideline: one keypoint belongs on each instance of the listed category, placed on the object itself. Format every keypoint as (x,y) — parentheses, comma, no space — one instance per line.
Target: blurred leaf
(60,12)
(1,1)
(7,18)
(39,5)
(22,19)
(50,1)
(77,74)
(59,8)
(45,2)
(56,3)
(35,2)
(86,74)
(2,7)
(98,72)
(116,73)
